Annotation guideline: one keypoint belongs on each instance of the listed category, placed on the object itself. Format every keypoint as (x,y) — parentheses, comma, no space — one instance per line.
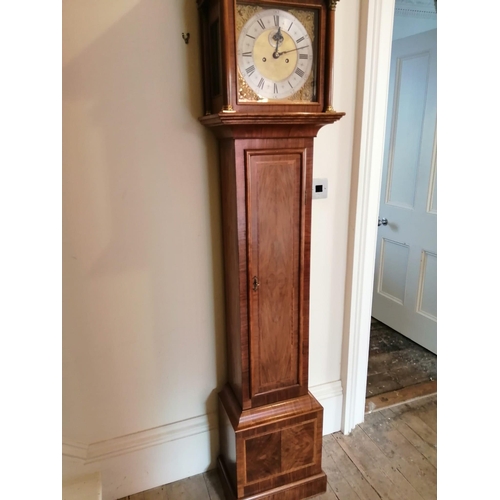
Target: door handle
(383,222)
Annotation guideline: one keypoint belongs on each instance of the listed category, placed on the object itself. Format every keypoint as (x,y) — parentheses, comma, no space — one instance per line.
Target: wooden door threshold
(400,396)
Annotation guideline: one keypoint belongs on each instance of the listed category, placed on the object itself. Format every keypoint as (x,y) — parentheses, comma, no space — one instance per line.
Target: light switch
(320,188)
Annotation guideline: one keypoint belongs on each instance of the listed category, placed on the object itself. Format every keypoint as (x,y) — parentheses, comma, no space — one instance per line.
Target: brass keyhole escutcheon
(256,283)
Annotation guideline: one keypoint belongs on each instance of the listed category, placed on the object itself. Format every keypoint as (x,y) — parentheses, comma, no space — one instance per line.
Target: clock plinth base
(271,452)
(299,490)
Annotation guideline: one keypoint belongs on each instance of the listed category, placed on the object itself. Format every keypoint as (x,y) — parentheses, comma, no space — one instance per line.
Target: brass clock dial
(275,54)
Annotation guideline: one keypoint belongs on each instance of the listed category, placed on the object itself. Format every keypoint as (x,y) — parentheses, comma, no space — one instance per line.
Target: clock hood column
(228,56)
(330,50)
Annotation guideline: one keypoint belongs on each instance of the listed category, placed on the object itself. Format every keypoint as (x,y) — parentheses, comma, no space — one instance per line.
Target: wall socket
(320,188)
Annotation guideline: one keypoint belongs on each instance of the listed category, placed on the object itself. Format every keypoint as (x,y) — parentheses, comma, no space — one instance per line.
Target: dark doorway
(399,370)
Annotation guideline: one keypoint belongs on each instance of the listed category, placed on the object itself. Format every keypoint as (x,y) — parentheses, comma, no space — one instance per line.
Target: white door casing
(376,24)
(404,292)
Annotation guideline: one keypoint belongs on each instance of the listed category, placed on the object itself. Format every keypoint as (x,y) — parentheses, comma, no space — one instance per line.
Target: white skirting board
(144,460)
(330,397)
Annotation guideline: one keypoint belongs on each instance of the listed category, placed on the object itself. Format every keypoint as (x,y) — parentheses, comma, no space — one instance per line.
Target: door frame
(374,58)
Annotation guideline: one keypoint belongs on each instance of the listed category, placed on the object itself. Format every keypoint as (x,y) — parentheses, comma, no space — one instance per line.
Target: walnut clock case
(267,83)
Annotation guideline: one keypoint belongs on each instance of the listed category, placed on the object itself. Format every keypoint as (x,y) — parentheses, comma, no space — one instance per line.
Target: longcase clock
(267,83)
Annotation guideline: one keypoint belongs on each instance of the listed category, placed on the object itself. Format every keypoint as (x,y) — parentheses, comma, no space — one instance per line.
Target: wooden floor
(398,369)
(392,456)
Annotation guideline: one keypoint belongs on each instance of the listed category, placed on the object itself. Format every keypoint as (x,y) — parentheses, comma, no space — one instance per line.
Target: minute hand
(293,50)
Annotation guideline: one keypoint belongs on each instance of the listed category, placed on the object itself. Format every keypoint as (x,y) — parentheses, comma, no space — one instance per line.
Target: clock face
(276,56)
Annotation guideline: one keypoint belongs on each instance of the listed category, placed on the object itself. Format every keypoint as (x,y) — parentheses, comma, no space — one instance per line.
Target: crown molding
(421,9)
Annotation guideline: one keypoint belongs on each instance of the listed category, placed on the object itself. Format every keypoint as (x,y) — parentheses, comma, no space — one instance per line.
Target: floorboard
(396,363)
(398,396)
(391,456)
(375,467)
(416,431)
(407,459)
(352,475)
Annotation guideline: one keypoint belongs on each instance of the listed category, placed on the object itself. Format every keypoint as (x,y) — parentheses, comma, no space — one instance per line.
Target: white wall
(84,488)
(143,318)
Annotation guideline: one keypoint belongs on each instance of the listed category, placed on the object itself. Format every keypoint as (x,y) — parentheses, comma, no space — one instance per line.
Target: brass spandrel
(306,93)
(243,14)
(307,18)
(245,93)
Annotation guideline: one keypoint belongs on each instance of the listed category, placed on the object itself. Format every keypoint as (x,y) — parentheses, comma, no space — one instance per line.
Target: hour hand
(279,38)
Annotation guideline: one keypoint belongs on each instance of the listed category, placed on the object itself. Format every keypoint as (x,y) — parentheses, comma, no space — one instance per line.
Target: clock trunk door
(275,218)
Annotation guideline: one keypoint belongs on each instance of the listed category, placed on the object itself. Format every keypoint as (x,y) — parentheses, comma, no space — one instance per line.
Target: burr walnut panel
(280,452)
(262,456)
(298,446)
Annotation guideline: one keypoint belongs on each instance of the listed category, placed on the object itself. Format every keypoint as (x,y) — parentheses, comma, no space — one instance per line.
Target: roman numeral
(275,89)
(300,39)
(261,23)
(290,84)
(247,54)
(290,27)
(261,83)
(301,56)
(276,20)
(250,70)
(251,36)
(299,72)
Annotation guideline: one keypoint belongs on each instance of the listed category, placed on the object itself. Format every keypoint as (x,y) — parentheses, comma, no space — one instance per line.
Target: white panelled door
(404,295)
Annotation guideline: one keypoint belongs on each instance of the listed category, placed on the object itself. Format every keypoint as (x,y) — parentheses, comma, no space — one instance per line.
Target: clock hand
(279,38)
(292,50)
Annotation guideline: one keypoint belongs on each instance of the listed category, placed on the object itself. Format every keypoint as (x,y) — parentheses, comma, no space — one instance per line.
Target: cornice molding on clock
(300,118)
(243,121)
(422,9)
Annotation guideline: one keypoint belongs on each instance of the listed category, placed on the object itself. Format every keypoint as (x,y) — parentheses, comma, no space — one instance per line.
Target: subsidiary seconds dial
(275,54)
